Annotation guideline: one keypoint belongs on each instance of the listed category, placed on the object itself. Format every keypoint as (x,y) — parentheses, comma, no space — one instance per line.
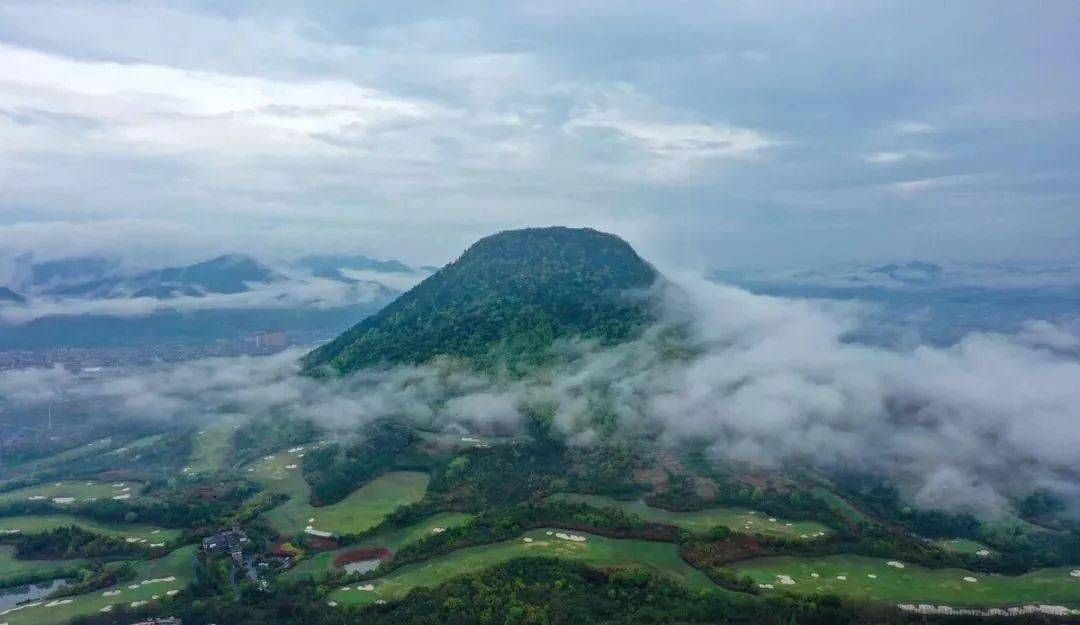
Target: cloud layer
(766,382)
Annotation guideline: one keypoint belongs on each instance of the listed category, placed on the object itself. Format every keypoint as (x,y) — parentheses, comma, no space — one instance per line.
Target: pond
(11,597)
(362,566)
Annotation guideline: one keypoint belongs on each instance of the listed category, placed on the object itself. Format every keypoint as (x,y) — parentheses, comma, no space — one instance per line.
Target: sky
(708,134)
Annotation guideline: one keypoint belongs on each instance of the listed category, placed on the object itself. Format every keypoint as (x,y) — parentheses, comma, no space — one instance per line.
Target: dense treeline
(334,471)
(73,542)
(527,591)
(504,302)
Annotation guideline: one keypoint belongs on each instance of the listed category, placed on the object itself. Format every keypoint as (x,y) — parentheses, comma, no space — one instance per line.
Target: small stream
(11,597)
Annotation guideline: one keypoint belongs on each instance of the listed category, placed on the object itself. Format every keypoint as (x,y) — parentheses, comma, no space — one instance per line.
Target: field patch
(32,524)
(875,579)
(363,509)
(210,448)
(321,564)
(965,546)
(743,520)
(153,578)
(10,568)
(72,492)
(660,558)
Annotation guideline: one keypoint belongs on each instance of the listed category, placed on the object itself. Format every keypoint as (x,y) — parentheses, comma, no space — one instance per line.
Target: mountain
(230,273)
(336,262)
(7,295)
(504,301)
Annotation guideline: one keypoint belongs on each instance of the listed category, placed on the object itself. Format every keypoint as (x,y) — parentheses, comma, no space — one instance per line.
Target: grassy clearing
(361,510)
(78,491)
(839,505)
(322,563)
(913,583)
(179,564)
(700,521)
(963,545)
(661,558)
(210,449)
(35,523)
(10,567)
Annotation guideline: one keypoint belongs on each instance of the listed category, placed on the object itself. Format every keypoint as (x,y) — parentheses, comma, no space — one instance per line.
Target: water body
(362,566)
(11,597)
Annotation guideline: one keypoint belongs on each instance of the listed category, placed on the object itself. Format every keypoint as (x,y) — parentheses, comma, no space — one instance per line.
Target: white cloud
(889,157)
(311,293)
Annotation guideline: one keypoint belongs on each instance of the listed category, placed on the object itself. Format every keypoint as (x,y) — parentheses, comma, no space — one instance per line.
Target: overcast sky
(710,134)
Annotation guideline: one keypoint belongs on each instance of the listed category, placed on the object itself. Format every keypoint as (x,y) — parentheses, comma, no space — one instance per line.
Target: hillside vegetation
(504,302)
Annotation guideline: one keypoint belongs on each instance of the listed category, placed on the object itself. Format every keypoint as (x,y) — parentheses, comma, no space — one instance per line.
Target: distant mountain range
(940,303)
(72,302)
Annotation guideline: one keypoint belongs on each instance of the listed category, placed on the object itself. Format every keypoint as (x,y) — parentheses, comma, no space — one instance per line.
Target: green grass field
(739,519)
(80,491)
(210,449)
(33,524)
(913,583)
(322,563)
(10,567)
(963,545)
(839,505)
(661,558)
(179,564)
(361,510)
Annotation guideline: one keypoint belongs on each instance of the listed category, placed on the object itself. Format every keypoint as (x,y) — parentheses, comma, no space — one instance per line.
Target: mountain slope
(230,273)
(504,301)
(7,295)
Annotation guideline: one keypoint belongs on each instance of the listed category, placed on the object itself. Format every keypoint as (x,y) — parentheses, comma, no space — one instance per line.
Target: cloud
(768,383)
(888,157)
(309,293)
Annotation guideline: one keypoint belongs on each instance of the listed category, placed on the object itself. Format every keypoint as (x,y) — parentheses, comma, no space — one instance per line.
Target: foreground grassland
(661,558)
(179,564)
(35,524)
(77,491)
(11,568)
(913,583)
(700,521)
(322,564)
(363,509)
(210,449)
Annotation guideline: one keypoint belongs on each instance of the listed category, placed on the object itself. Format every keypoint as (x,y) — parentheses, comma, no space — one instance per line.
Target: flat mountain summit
(504,302)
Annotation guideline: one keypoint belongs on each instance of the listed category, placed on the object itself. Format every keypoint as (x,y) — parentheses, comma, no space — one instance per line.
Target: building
(232,541)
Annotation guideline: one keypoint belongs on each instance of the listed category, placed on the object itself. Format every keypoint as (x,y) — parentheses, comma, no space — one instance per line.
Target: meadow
(661,558)
(179,565)
(912,583)
(700,521)
(32,524)
(363,509)
(77,490)
(322,563)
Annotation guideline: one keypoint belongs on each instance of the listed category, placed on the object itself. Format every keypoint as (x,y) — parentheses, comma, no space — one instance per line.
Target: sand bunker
(814,575)
(895,564)
(290,466)
(785,579)
(56,602)
(138,604)
(37,497)
(122,497)
(842,578)
(983,552)
(1075,573)
(63,501)
(766,586)
(107,608)
(970,579)
(527,539)
(438,530)
(871,576)
(110,593)
(571,537)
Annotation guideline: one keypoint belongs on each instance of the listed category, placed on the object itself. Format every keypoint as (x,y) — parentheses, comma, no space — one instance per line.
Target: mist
(761,382)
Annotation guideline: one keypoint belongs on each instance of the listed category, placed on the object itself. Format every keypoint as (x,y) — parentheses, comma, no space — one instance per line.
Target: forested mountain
(504,301)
